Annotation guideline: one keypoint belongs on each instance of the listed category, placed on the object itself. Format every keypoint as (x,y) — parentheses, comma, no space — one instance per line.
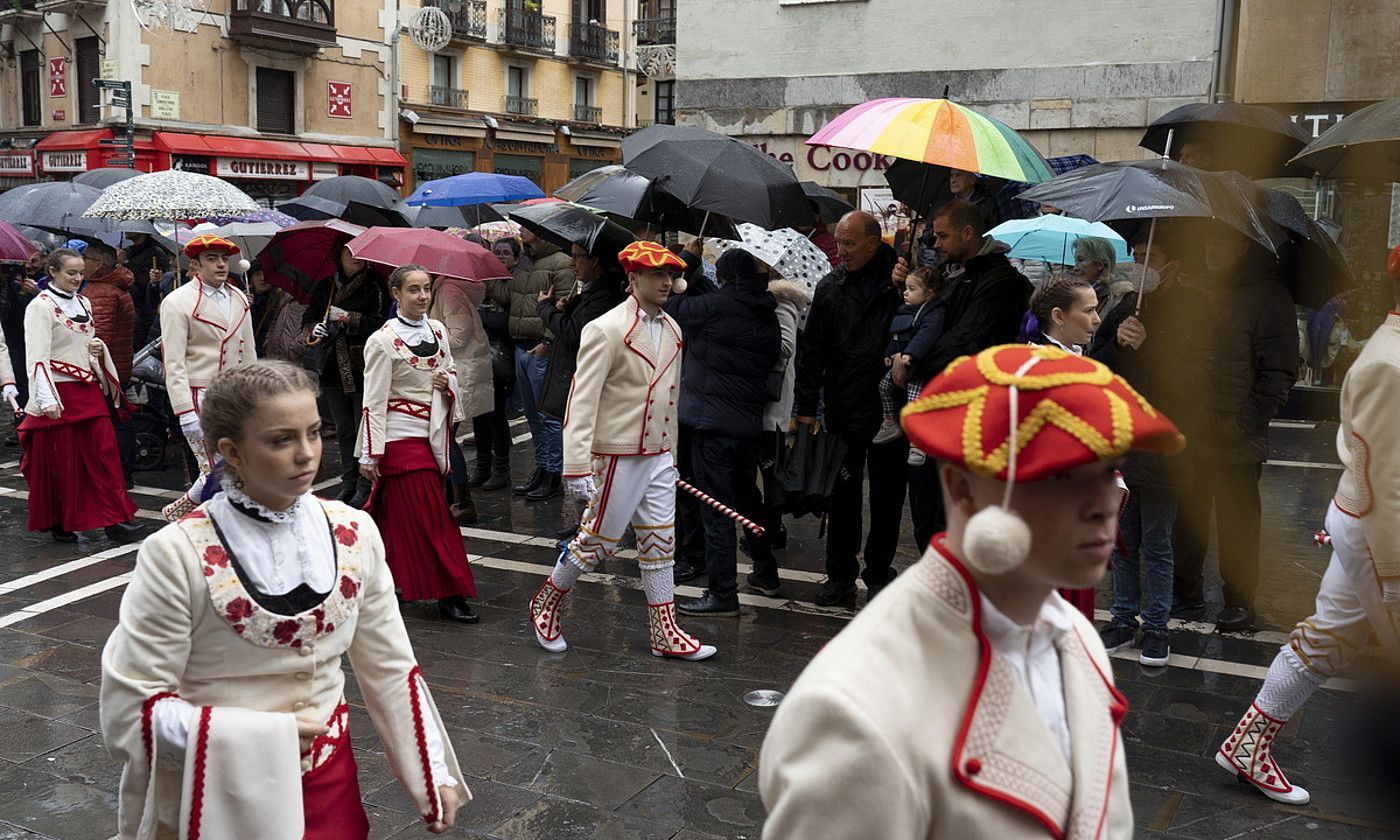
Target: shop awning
(61,141)
(245,147)
(444,124)
(595,139)
(525,133)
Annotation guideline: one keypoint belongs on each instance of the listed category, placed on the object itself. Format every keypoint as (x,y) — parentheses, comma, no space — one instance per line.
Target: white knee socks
(1288,686)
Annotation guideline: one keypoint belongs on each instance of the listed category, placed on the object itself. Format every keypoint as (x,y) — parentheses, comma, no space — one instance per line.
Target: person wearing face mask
(1160,349)
(206,327)
(70,460)
(358,303)
(410,405)
(1094,261)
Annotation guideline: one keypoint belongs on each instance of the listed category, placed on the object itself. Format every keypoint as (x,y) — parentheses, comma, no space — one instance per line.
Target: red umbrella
(302,256)
(439,253)
(13,244)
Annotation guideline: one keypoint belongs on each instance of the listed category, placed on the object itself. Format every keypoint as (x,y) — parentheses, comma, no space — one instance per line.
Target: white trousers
(639,490)
(1349,605)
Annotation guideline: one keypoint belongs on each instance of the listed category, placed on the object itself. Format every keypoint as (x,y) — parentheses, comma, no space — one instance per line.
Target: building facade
(1083,78)
(271,94)
(536,89)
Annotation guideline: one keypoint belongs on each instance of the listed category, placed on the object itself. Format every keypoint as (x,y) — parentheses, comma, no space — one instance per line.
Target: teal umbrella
(1050,238)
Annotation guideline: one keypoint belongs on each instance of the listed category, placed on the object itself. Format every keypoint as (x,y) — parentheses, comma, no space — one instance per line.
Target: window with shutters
(89,67)
(30,87)
(277,94)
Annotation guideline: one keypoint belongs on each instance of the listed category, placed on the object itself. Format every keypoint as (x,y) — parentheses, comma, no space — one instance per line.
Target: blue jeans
(1146,525)
(546,433)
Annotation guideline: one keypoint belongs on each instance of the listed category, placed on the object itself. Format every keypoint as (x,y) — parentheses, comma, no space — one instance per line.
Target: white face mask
(1147,276)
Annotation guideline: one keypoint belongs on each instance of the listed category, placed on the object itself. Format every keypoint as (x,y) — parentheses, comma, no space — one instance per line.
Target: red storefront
(270,170)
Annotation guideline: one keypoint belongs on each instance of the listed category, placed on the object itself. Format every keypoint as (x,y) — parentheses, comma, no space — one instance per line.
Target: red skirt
(330,797)
(421,542)
(72,465)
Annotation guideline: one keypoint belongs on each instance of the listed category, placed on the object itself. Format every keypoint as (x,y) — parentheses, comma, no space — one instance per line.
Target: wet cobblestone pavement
(605,741)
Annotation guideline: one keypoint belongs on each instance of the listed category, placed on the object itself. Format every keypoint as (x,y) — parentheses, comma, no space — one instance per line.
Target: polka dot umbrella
(789,253)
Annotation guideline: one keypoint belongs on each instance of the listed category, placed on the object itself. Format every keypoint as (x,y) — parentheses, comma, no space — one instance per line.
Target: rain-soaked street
(605,741)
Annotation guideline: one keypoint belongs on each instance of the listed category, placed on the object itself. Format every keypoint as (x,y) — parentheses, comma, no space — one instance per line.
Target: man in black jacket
(985,309)
(731,342)
(841,363)
(1251,365)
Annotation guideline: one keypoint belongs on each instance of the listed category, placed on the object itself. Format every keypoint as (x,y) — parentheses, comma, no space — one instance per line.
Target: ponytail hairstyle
(1059,291)
(57,256)
(400,274)
(235,395)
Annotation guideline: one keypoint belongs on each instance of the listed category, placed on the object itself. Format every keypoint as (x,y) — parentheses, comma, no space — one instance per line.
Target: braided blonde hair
(235,395)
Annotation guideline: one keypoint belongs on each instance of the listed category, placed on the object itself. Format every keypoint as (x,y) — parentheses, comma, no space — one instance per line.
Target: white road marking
(41,607)
(1292,424)
(65,568)
(1305,465)
(669,757)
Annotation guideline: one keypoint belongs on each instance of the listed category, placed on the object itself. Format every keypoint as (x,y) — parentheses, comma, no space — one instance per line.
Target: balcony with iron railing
(296,26)
(522,106)
(468,17)
(447,97)
(16,9)
(588,113)
(527,30)
(656,30)
(594,43)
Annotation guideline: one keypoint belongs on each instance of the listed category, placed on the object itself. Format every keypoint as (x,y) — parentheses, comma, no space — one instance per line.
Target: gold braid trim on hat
(987,366)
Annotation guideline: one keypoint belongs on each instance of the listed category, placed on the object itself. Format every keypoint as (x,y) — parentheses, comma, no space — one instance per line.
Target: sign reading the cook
(830,167)
(65,161)
(17,163)
(58,77)
(273,170)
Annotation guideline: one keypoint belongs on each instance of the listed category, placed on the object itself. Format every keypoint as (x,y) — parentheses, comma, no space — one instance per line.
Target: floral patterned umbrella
(171,194)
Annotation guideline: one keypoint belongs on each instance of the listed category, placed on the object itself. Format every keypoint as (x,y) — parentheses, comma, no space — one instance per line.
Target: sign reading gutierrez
(282,170)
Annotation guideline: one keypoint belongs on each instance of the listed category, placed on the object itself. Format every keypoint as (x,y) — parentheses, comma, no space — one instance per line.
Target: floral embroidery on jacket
(257,625)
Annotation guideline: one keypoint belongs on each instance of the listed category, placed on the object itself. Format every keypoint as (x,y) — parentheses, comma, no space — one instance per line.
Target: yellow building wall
(1317,50)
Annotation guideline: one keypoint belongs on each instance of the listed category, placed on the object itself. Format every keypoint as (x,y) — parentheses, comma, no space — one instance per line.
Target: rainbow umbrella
(937,132)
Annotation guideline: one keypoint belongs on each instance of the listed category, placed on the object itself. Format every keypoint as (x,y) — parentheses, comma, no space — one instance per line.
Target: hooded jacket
(114,315)
(732,342)
(843,347)
(547,268)
(985,307)
(793,300)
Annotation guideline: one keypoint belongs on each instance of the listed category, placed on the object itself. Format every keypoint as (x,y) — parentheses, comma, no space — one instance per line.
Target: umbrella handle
(312,341)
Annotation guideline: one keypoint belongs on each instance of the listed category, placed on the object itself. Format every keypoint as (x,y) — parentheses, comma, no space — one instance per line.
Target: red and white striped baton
(721,507)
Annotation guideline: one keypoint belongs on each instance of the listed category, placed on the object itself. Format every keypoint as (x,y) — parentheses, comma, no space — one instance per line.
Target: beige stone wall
(1317,50)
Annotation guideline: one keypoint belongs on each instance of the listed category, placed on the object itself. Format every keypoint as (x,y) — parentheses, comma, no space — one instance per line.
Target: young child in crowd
(916,326)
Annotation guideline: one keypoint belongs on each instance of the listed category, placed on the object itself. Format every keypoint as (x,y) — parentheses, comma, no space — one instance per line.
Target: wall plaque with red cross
(338,99)
(58,77)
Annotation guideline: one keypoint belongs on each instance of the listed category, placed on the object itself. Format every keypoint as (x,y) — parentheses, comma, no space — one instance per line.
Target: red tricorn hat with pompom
(1071,411)
(209,242)
(645,256)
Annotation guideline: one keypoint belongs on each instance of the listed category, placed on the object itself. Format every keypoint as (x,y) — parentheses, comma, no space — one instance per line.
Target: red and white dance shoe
(668,640)
(544,615)
(1248,753)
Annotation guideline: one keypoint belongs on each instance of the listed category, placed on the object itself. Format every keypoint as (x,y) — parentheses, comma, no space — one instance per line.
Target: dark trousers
(492,429)
(1232,491)
(926,503)
(690,528)
(345,413)
(769,515)
(888,472)
(126,442)
(725,466)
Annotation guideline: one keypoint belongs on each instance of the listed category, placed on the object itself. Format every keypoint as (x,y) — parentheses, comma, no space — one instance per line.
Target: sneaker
(835,594)
(889,430)
(1155,650)
(1232,619)
(1117,636)
(916,457)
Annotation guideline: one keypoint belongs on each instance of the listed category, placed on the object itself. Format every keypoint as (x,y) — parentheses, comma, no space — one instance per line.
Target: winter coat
(985,307)
(285,338)
(732,342)
(549,268)
(1169,369)
(114,315)
(145,294)
(567,325)
(365,297)
(792,300)
(454,304)
(1252,360)
(267,310)
(843,347)
(914,329)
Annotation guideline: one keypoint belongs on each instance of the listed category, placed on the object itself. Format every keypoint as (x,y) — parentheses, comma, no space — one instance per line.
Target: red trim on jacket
(147,709)
(434,805)
(201,751)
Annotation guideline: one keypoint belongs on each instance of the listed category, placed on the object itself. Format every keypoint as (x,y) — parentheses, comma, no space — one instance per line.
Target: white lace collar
(247,505)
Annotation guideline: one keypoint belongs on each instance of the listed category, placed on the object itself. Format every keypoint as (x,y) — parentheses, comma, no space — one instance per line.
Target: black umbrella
(830,205)
(715,173)
(1366,144)
(328,199)
(462,216)
(923,187)
(1156,189)
(1311,265)
(56,206)
(567,224)
(619,192)
(367,215)
(1253,139)
(104,178)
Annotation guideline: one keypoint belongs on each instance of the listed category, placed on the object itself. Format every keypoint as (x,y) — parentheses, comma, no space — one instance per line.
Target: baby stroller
(152,421)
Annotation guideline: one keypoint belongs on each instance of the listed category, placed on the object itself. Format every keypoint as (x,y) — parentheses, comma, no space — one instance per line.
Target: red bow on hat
(1071,411)
(644,256)
(209,242)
